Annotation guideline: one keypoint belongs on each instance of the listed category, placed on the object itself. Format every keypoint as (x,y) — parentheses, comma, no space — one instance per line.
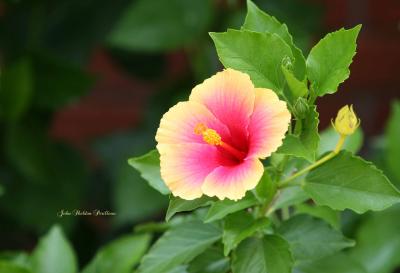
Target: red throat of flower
(210,136)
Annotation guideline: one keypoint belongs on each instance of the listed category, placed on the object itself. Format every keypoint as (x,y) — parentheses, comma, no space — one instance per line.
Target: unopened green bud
(300,108)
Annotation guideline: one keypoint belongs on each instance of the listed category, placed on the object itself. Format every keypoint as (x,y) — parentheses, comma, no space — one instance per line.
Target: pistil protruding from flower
(210,136)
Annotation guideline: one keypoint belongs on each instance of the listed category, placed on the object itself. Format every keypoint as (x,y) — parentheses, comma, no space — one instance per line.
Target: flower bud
(300,108)
(346,121)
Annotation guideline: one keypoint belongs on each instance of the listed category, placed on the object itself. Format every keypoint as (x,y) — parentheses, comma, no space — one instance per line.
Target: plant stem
(332,154)
(298,127)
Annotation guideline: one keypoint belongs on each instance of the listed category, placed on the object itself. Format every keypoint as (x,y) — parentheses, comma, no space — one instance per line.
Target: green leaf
(18,258)
(179,269)
(239,226)
(152,227)
(220,209)
(160,25)
(58,82)
(259,21)
(177,204)
(392,141)
(266,188)
(325,213)
(119,256)
(349,182)
(270,254)
(329,138)
(306,144)
(338,263)
(16,89)
(149,167)
(378,241)
(178,246)
(54,254)
(289,197)
(298,88)
(312,238)
(329,60)
(134,200)
(211,261)
(7,267)
(258,54)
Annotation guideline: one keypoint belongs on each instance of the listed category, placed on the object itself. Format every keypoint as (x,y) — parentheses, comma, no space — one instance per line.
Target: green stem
(298,127)
(313,95)
(321,161)
(264,209)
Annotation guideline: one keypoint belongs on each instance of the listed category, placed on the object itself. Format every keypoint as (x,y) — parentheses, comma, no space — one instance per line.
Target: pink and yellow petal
(232,182)
(229,95)
(268,124)
(178,124)
(184,167)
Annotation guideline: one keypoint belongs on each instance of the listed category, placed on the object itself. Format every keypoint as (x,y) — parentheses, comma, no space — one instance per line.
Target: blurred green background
(83,85)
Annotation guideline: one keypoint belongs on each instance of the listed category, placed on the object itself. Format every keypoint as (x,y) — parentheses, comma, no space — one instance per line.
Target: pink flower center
(210,136)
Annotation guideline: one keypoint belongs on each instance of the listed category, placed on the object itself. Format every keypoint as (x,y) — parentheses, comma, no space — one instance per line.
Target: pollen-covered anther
(210,136)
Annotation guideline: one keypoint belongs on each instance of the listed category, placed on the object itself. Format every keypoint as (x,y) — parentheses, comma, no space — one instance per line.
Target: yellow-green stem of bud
(346,122)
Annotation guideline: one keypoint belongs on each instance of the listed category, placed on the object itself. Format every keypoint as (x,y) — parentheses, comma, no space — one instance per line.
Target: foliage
(271,229)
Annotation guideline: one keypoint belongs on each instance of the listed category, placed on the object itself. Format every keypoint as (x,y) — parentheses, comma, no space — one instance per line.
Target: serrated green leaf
(329,60)
(220,209)
(298,88)
(160,25)
(311,238)
(392,141)
(210,261)
(54,254)
(325,213)
(266,188)
(148,166)
(378,241)
(259,21)
(270,254)
(338,263)
(120,255)
(16,89)
(289,197)
(329,138)
(177,204)
(349,182)
(258,54)
(306,144)
(7,267)
(178,246)
(238,226)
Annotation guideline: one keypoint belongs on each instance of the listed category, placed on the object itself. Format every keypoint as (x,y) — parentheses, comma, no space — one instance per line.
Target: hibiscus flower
(212,144)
